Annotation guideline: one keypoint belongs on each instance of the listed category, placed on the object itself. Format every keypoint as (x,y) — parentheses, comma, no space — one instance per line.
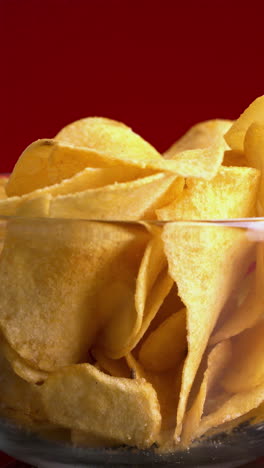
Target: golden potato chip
(48,162)
(253,145)
(114,367)
(217,361)
(236,134)
(166,347)
(246,369)
(201,135)
(126,201)
(108,136)
(247,313)
(198,255)
(123,410)
(235,407)
(202,199)
(158,293)
(165,385)
(31,169)
(171,304)
(61,267)
(201,163)
(21,367)
(17,395)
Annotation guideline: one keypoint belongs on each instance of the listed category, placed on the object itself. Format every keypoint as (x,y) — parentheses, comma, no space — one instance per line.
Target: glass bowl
(34,247)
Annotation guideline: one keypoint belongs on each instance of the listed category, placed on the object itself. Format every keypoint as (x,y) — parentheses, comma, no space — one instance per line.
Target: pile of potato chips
(126,315)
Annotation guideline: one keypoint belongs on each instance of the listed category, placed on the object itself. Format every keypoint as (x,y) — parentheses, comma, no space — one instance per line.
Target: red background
(159,66)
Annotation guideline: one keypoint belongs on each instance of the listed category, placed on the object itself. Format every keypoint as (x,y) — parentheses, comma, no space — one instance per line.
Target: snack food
(122,305)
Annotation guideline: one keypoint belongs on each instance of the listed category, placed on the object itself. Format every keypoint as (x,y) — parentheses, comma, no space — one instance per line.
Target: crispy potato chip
(166,387)
(201,135)
(171,304)
(108,136)
(21,367)
(114,367)
(253,145)
(235,407)
(31,169)
(201,163)
(123,410)
(19,396)
(246,369)
(166,347)
(61,267)
(198,255)
(236,134)
(247,313)
(128,201)
(203,200)
(218,359)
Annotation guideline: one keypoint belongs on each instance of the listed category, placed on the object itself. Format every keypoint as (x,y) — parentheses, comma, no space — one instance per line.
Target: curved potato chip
(253,145)
(218,359)
(201,135)
(81,397)
(18,395)
(247,366)
(157,295)
(235,407)
(250,311)
(165,347)
(166,387)
(114,367)
(236,134)
(126,201)
(200,163)
(21,367)
(61,267)
(198,255)
(108,136)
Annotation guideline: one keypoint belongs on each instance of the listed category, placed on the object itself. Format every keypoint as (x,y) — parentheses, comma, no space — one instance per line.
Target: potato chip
(127,201)
(108,136)
(21,367)
(218,359)
(123,410)
(198,255)
(201,135)
(61,267)
(114,367)
(253,144)
(235,407)
(247,313)
(236,134)
(201,163)
(166,387)
(246,369)
(203,200)
(31,169)
(171,304)
(19,396)
(166,347)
